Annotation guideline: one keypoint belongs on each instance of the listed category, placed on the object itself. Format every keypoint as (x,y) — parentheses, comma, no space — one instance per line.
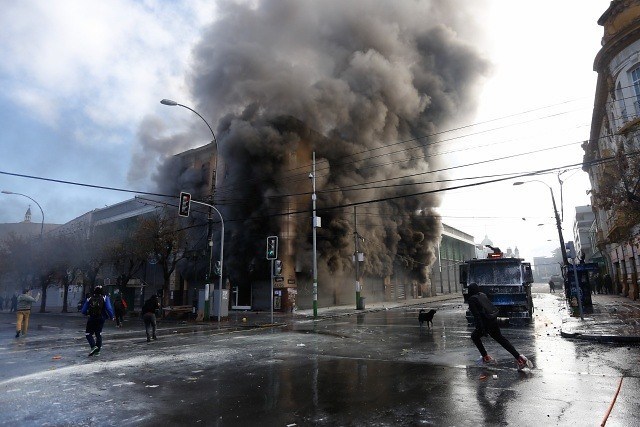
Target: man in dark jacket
(485,315)
(149,316)
(98,308)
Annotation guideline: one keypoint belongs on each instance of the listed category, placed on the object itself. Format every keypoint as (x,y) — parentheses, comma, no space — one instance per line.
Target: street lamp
(41,211)
(563,249)
(555,212)
(172,103)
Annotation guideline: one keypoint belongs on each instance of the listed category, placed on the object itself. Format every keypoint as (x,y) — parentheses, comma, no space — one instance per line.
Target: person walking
(608,284)
(14,303)
(120,307)
(149,316)
(23,311)
(485,315)
(552,286)
(98,308)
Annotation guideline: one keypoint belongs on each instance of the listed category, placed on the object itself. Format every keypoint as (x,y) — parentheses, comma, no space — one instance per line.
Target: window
(635,79)
(620,100)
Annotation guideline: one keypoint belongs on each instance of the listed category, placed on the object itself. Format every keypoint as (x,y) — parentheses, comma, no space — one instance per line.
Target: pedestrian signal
(277,267)
(185,202)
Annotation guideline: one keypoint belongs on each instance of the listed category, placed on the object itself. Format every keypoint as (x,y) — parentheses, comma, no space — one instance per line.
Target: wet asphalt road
(374,369)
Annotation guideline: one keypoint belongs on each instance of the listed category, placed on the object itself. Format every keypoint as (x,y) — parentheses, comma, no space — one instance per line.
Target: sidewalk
(614,319)
(346,310)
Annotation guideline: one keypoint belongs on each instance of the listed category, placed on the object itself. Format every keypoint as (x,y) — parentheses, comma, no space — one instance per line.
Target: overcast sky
(79,77)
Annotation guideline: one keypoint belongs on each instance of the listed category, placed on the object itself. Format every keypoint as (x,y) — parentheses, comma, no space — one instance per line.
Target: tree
(127,251)
(161,233)
(619,188)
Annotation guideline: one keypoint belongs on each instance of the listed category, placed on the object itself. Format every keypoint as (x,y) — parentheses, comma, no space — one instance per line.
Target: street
(374,368)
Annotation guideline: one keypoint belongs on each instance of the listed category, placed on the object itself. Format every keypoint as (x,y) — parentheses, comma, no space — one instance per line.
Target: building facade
(611,154)
(455,247)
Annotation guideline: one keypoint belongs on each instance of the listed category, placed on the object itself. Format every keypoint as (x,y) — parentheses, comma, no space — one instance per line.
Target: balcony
(628,125)
(620,224)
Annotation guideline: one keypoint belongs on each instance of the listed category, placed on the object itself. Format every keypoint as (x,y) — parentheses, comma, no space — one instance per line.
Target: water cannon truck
(506,281)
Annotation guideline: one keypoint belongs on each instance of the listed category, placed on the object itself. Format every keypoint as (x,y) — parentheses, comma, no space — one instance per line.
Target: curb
(600,338)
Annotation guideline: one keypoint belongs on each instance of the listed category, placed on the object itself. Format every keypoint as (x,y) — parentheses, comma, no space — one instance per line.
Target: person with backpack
(120,307)
(98,308)
(149,316)
(485,315)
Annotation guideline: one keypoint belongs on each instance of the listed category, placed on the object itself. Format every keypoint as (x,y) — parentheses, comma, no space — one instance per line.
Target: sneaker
(523,362)
(488,359)
(94,350)
(154,338)
(17,334)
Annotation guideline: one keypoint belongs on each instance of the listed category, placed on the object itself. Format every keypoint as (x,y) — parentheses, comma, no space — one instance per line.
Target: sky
(82,81)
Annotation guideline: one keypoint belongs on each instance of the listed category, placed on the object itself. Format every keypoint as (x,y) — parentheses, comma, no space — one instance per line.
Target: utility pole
(314,224)
(356,257)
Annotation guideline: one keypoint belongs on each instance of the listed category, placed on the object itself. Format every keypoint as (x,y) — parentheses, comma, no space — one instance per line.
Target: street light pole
(172,103)
(563,249)
(41,211)
(221,253)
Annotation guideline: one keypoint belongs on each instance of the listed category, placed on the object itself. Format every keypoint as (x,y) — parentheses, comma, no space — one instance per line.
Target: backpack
(487,309)
(96,305)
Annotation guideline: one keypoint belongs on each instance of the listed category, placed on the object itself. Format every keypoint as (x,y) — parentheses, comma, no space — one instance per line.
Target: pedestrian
(120,307)
(485,315)
(98,308)
(552,286)
(23,311)
(149,316)
(1,303)
(608,284)
(14,302)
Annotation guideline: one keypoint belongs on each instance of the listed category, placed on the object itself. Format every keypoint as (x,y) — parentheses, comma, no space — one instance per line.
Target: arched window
(635,80)
(620,101)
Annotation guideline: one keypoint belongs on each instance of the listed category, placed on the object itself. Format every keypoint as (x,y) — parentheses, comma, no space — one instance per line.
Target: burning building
(367,86)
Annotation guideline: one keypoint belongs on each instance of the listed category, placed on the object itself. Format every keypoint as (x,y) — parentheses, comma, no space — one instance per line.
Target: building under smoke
(367,86)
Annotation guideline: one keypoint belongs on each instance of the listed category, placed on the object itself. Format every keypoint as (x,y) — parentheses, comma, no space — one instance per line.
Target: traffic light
(185,202)
(272,247)
(277,267)
(217,268)
(571,250)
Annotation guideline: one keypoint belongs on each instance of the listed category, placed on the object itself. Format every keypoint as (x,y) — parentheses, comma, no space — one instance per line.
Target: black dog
(426,317)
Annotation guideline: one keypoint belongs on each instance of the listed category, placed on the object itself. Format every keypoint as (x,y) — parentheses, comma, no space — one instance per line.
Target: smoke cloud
(361,83)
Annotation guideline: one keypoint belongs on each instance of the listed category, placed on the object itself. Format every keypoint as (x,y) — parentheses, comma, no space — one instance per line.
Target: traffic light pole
(355,258)
(272,261)
(315,255)
(221,257)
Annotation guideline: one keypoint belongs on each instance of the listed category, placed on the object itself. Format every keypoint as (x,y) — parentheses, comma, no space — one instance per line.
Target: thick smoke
(349,80)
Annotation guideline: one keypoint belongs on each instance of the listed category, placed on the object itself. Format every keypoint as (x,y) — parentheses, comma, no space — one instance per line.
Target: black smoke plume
(350,80)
